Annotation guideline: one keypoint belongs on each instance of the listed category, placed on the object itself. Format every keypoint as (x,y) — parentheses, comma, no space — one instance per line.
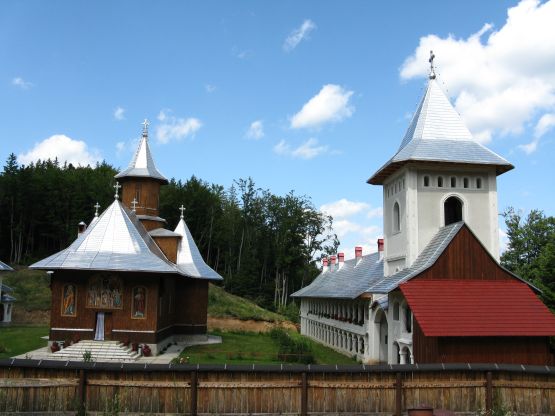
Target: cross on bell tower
(182,209)
(96,206)
(145,124)
(432,69)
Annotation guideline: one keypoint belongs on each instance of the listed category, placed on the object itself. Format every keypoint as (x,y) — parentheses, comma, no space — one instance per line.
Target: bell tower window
(452,209)
(396,218)
(426,181)
(440,182)
(479,183)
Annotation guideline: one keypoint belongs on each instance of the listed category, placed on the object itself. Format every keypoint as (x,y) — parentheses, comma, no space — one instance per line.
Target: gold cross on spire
(117,187)
(432,69)
(181,208)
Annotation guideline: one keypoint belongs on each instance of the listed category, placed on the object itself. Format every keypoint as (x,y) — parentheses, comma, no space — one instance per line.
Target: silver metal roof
(345,282)
(426,259)
(189,259)
(142,165)
(5,268)
(437,133)
(162,232)
(116,241)
(7,298)
(5,288)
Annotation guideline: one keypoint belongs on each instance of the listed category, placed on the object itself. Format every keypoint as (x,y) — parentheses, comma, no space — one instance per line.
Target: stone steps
(112,351)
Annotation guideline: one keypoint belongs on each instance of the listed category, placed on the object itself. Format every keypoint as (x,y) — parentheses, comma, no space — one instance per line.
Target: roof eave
(390,168)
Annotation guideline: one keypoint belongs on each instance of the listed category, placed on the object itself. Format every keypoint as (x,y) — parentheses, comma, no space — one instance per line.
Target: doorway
(104,326)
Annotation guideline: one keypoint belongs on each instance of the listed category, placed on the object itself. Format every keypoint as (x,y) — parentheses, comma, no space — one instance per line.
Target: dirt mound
(233,324)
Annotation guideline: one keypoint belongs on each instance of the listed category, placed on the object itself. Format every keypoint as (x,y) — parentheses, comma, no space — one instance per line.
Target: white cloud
(210,88)
(256,130)
(343,208)
(120,147)
(308,150)
(119,113)
(174,128)
(331,104)
(344,227)
(298,35)
(21,83)
(544,125)
(501,79)
(375,213)
(64,148)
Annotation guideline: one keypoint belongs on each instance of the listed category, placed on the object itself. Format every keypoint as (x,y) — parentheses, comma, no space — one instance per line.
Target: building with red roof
(435,292)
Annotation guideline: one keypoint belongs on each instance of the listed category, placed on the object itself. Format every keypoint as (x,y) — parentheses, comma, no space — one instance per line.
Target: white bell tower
(439,175)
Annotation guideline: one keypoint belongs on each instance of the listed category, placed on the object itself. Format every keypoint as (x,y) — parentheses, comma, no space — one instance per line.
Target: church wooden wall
(191,306)
(465,258)
(168,245)
(86,317)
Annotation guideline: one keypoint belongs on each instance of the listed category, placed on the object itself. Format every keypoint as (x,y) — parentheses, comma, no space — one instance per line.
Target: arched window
(408,319)
(452,209)
(440,182)
(396,218)
(426,181)
(453,182)
(396,311)
(465,182)
(479,183)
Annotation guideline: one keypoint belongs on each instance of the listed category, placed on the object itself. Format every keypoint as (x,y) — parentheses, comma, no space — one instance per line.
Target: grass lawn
(16,340)
(254,348)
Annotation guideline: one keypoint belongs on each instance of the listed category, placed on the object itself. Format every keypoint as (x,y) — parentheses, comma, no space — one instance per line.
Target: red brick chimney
(358,254)
(332,265)
(324,264)
(340,259)
(380,247)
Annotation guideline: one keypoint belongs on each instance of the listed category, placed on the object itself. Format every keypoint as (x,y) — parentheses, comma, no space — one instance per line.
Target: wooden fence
(54,386)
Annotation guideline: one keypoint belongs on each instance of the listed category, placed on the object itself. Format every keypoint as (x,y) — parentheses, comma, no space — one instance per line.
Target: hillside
(31,288)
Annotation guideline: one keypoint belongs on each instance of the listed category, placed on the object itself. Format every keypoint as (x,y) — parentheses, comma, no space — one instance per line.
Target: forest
(264,245)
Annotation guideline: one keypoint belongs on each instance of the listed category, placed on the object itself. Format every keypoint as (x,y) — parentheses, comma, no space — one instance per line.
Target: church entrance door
(99,333)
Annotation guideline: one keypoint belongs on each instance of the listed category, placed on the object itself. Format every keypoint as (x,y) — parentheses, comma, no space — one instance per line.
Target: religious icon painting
(138,303)
(104,292)
(69,300)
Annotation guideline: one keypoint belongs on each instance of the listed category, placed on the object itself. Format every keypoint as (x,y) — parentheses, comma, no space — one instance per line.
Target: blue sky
(312,96)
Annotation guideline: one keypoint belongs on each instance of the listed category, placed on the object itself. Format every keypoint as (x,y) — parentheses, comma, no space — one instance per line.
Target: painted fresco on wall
(69,300)
(104,292)
(138,309)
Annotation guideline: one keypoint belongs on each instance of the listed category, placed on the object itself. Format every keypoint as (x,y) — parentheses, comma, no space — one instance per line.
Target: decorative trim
(72,329)
(134,331)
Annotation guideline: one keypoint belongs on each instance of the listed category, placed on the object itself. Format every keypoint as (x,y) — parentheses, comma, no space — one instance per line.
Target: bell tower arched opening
(452,209)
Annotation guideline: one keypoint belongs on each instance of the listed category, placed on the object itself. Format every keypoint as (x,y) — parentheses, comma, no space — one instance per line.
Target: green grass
(254,348)
(224,305)
(16,340)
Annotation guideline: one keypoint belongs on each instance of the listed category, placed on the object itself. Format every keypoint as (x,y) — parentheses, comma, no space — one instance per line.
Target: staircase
(101,351)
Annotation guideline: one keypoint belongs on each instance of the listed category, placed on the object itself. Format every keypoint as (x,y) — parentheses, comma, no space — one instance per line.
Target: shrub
(290,349)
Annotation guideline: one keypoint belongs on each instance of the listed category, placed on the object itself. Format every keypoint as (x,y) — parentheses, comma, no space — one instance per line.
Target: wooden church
(435,291)
(126,277)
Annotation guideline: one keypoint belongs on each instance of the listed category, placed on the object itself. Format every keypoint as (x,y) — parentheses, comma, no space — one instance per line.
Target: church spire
(142,164)
(432,74)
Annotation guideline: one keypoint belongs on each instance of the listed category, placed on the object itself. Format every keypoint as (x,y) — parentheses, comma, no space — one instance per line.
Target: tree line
(530,251)
(264,245)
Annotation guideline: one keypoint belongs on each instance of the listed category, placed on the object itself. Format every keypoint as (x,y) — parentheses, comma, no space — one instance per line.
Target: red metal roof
(453,308)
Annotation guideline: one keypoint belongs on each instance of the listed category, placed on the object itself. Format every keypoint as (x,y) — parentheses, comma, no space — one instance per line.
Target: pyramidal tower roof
(437,133)
(5,268)
(142,165)
(189,259)
(115,241)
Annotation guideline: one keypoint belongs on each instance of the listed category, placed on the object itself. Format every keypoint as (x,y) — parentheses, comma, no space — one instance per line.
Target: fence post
(304,394)
(82,389)
(489,393)
(194,388)
(399,395)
